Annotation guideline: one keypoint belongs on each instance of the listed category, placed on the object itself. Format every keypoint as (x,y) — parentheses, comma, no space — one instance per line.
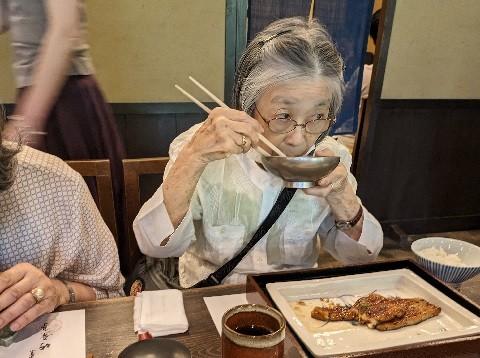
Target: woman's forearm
(4,17)
(52,63)
(180,183)
(47,80)
(82,292)
(345,206)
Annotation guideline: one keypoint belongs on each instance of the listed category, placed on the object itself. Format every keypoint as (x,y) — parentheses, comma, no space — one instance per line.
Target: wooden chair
(132,170)
(100,170)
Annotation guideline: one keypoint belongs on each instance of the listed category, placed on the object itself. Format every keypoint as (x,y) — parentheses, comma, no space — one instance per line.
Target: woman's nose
(296,137)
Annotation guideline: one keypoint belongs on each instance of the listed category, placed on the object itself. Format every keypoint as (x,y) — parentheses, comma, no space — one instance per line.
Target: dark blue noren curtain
(347,21)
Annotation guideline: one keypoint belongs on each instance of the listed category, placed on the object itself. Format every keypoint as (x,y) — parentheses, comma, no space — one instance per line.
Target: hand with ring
(339,194)
(27,293)
(244,143)
(225,132)
(334,183)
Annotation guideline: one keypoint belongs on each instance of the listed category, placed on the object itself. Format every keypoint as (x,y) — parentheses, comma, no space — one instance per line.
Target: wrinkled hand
(334,183)
(17,304)
(225,132)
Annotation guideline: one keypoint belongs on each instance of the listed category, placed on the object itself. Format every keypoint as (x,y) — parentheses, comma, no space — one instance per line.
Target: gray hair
(288,49)
(7,158)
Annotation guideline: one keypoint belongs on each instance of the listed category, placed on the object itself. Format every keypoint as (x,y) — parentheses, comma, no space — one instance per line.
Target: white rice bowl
(448,259)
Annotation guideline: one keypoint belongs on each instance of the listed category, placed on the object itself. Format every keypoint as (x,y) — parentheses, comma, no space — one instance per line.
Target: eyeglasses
(283,124)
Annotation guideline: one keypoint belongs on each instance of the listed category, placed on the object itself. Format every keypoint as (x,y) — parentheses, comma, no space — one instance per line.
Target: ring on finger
(38,294)
(244,143)
(339,185)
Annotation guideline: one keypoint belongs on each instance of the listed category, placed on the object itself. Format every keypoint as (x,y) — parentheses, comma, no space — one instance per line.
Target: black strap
(217,277)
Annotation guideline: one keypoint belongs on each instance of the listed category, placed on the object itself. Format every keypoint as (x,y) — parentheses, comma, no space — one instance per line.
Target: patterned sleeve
(95,261)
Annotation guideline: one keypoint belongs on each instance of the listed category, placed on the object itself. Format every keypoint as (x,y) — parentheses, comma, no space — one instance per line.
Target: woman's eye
(282,116)
(319,116)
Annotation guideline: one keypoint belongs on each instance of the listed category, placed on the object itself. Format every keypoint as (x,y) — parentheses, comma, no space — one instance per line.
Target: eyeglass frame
(330,118)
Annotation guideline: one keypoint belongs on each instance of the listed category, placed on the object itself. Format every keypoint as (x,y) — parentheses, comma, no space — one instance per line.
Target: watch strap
(347,224)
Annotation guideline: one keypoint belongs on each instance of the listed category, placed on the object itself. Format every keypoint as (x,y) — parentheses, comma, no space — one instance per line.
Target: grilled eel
(382,313)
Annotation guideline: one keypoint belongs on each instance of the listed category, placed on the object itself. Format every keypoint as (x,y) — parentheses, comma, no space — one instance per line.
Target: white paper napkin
(160,313)
(218,305)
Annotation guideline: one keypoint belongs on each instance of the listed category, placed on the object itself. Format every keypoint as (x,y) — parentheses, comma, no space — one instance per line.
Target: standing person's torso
(28,22)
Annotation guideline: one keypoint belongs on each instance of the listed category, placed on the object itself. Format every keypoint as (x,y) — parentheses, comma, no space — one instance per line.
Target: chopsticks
(221,104)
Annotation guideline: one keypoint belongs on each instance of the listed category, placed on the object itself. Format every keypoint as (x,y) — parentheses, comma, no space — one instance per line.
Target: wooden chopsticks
(221,104)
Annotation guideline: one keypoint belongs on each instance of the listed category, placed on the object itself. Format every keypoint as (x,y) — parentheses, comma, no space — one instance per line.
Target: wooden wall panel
(425,162)
(417,163)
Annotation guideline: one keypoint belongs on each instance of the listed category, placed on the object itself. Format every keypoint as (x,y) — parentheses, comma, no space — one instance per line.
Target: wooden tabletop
(109,323)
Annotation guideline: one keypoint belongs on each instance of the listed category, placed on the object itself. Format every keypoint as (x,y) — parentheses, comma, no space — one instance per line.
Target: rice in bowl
(441,256)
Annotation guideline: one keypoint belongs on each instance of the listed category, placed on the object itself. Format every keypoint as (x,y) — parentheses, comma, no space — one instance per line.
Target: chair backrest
(132,170)
(100,170)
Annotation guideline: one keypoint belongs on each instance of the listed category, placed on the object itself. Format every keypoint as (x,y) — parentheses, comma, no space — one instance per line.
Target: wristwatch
(348,224)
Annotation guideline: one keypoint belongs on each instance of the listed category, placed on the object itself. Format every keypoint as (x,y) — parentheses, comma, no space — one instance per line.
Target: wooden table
(109,323)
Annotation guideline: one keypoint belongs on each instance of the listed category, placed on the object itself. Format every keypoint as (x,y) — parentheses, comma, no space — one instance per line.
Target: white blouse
(232,198)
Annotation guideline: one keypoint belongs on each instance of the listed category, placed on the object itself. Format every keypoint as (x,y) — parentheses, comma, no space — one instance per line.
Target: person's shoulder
(45,168)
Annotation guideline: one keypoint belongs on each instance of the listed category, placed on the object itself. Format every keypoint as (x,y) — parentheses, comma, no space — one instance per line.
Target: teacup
(254,331)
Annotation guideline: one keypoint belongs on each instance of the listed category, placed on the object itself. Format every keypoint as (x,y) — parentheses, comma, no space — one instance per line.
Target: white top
(232,198)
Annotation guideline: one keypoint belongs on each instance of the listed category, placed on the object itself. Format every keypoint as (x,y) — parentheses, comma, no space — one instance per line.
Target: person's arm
(82,292)
(364,240)
(18,305)
(219,137)
(52,63)
(164,226)
(338,188)
(343,248)
(4,21)
(95,262)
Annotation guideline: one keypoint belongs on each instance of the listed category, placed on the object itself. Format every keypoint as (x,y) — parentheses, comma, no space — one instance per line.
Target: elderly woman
(288,87)
(55,247)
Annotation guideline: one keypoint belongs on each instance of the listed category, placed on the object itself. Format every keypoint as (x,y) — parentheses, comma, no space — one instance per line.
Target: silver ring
(38,294)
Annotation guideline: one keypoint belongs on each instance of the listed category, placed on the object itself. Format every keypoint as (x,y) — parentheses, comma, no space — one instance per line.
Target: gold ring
(339,185)
(38,294)
(244,142)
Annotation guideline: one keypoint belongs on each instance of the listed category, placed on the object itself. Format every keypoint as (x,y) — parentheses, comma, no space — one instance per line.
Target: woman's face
(300,100)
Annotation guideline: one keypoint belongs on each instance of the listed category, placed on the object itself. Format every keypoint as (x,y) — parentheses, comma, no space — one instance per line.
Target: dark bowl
(156,348)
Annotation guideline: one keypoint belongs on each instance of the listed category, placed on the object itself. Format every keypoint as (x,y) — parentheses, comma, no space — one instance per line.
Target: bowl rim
(305,157)
(468,244)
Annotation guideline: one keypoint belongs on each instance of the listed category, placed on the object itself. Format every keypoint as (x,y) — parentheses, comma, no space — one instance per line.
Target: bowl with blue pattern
(450,260)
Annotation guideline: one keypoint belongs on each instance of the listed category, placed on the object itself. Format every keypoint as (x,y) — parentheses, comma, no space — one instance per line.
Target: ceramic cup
(253,331)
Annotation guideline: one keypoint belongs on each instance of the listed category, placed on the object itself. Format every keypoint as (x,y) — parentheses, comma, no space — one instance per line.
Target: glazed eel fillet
(379,312)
